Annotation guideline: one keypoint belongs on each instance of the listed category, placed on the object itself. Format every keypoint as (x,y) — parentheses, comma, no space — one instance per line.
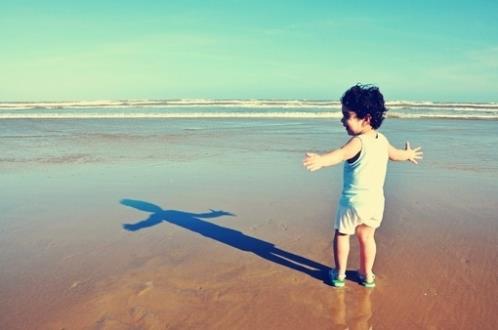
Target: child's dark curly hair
(365,100)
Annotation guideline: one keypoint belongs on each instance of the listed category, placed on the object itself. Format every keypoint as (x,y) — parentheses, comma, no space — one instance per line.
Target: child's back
(363,179)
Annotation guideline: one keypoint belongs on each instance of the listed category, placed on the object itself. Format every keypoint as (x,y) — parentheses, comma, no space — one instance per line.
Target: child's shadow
(234,238)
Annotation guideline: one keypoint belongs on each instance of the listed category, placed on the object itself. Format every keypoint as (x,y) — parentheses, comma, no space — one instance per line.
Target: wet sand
(134,245)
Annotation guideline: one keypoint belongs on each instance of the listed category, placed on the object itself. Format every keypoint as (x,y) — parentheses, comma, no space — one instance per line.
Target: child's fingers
(311,167)
(309,157)
(307,161)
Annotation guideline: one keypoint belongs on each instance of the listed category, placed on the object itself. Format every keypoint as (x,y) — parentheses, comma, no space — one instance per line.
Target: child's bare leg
(368,248)
(341,251)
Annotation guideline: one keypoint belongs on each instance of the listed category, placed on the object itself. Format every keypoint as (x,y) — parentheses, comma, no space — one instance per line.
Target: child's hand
(312,162)
(413,154)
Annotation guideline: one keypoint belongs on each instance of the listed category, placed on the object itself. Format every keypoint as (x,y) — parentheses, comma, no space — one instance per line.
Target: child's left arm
(412,155)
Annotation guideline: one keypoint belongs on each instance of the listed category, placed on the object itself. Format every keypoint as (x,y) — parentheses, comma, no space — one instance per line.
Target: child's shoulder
(373,135)
(382,136)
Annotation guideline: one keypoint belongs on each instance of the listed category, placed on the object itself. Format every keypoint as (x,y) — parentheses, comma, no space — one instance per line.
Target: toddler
(365,155)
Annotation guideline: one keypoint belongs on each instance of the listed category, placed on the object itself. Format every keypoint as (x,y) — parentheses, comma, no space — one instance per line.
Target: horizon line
(207,100)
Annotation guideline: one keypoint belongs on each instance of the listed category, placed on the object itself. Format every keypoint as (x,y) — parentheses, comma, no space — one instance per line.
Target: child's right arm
(408,154)
(314,162)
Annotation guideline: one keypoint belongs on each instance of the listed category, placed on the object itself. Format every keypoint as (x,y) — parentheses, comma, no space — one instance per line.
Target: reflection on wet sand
(352,310)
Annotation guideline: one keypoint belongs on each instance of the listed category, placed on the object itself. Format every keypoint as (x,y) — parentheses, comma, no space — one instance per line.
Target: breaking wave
(205,109)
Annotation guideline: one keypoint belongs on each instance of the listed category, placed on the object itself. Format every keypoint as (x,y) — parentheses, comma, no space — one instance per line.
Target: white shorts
(347,219)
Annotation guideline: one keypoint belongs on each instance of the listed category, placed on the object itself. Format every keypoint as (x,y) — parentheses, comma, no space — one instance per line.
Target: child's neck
(369,130)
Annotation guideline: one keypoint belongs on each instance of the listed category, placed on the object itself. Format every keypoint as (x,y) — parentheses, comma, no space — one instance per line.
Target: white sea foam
(232,103)
(171,103)
(202,108)
(203,115)
(443,116)
(231,115)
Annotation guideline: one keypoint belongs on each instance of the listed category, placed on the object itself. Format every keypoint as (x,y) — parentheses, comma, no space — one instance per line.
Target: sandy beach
(176,224)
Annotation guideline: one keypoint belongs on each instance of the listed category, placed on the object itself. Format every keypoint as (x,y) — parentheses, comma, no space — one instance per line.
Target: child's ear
(367,119)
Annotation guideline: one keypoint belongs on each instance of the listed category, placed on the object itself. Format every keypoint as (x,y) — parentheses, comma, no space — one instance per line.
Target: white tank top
(363,180)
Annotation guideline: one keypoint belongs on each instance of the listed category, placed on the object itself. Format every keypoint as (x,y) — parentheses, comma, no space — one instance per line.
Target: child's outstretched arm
(408,154)
(314,162)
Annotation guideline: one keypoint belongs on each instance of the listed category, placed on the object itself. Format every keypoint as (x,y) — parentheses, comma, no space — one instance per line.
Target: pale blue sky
(86,50)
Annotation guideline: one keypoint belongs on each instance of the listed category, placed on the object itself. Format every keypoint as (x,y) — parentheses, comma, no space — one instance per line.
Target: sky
(108,50)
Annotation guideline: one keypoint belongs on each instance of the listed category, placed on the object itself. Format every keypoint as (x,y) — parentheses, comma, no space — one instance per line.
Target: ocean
(268,109)
(457,137)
